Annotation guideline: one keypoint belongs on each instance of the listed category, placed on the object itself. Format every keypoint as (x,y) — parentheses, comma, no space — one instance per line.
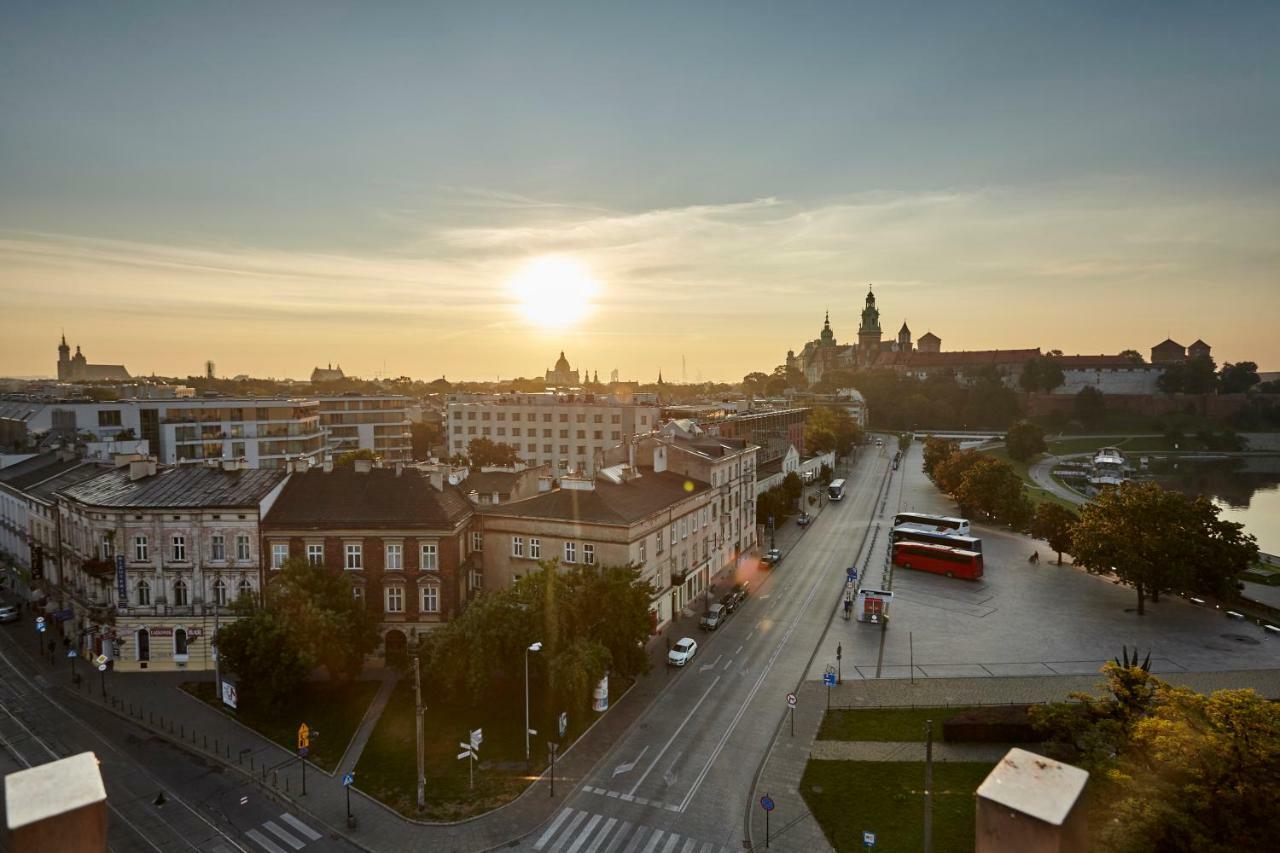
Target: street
(679,781)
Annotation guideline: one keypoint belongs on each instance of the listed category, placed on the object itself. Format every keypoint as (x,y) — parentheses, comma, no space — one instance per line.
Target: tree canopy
(1025,440)
(1193,376)
(1238,378)
(483,452)
(1090,406)
(1053,523)
(831,429)
(1042,373)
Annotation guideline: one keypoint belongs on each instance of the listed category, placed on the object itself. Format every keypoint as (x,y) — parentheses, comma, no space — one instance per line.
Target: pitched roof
(378,498)
(31,471)
(1168,342)
(1197,343)
(931,336)
(488,482)
(187,486)
(608,503)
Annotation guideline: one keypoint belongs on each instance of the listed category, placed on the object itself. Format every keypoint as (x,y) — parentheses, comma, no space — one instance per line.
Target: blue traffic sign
(766,803)
(868,839)
(829,679)
(348,779)
(40,626)
(71,653)
(303,751)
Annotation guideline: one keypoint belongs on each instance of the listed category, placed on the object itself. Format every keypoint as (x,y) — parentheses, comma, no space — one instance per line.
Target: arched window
(220,592)
(144,593)
(180,593)
(244,588)
(180,641)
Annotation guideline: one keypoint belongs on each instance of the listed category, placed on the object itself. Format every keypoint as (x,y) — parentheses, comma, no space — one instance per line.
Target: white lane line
(585,834)
(604,833)
(728,664)
(628,766)
(620,837)
(712,665)
(644,801)
(752,634)
(278,831)
(568,832)
(688,846)
(310,833)
(551,830)
(266,843)
(739,651)
(674,735)
(654,839)
(638,838)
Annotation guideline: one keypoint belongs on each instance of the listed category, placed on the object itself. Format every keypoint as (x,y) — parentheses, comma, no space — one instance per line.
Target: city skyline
(274,189)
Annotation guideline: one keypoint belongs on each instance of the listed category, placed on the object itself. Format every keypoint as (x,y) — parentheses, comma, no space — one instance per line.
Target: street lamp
(536,647)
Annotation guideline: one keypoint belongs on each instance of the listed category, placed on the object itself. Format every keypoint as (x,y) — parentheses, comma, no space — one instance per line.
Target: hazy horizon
(276,188)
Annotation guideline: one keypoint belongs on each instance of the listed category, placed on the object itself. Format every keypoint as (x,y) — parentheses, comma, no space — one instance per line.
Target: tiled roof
(1167,342)
(607,503)
(178,487)
(378,498)
(28,472)
(488,482)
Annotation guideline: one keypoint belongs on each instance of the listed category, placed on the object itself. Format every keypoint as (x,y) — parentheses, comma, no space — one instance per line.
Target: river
(1247,489)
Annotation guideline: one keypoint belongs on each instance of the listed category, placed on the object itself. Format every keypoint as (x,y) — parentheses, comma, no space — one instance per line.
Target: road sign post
(839,665)
(551,751)
(71,655)
(471,751)
(348,779)
(868,839)
(791,711)
(766,803)
(829,679)
(304,746)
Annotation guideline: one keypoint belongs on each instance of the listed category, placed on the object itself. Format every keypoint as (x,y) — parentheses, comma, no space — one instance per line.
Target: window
(395,599)
(180,642)
(108,418)
(477,541)
(582,433)
(279,553)
(597,435)
(357,592)
(564,433)
(589,554)
(242,548)
(642,549)
(244,588)
(395,557)
(430,599)
(355,556)
(180,593)
(144,593)
(546,417)
(684,528)
(315,554)
(535,548)
(658,543)
(217,548)
(571,552)
(598,419)
(615,419)
(178,553)
(673,534)
(430,557)
(517,546)
(220,592)
(564,419)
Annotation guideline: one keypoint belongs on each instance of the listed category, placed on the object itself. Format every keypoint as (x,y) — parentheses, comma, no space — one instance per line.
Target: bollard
(162,721)
(250,763)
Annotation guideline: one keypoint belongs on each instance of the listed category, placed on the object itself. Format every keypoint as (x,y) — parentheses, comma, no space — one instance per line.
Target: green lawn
(333,711)
(388,766)
(887,797)
(884,724)
(1036,494)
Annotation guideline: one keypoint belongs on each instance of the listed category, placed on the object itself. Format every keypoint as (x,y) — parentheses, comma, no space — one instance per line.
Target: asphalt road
(679,782)
(204,808)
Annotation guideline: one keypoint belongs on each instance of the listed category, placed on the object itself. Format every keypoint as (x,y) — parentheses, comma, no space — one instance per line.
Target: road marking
(628,766)
(688,846)
(278,831)
(676,734)
(568,831)
(620,838)
(628,798)
(672,841)
(585,834)
(654,839)
(712,665)
(604,833)
(310,833)
(546,836)
(612,794)
(266,843)
(739,651)
(642,801)
(728,664)
(752,634)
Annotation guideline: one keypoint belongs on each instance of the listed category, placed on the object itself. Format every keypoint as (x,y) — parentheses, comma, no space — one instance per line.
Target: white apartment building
(151,557)
(371,422)
(565,431)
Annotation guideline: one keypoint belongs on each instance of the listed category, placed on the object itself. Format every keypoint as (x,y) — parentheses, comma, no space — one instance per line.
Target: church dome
(562,364)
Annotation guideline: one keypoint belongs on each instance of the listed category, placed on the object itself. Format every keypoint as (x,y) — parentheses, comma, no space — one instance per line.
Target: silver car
(10,611)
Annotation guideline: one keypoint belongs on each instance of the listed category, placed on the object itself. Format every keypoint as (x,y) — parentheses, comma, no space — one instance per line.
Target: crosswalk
(578,831)
(270,835)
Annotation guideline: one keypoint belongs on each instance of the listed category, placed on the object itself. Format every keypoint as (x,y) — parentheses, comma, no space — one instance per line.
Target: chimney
(578,483)
(545,482)
(61,805)
(437,478)
(137,469)
(659,458)
(364,466)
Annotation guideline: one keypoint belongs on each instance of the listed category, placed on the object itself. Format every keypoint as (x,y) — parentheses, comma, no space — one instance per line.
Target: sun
(554,291)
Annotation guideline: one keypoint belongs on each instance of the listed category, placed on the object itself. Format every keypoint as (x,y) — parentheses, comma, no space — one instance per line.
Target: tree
(1053,523)
(265,656)
(424,436)
(348,459)
(484,452)
(332,628)
(831,429)
(994,489)
(1193,376)
(1237,378)
(1042,373)
(792,489)
(1090,406)
(825,473)
(1025,440)
(936,451)
(755,384)
(1133,356)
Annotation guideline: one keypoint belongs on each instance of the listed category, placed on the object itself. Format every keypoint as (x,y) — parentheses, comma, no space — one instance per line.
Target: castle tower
(904,338)
(869,332)
(64,360)
(827,337)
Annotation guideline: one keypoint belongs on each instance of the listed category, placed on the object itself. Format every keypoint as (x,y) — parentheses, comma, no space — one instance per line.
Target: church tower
(904,338)
(64,360)
(869,331)
(827,337)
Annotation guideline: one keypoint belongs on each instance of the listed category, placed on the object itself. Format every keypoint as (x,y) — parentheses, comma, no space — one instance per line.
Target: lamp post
(535,647)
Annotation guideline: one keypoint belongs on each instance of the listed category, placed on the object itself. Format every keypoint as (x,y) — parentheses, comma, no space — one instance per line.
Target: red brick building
(402,540)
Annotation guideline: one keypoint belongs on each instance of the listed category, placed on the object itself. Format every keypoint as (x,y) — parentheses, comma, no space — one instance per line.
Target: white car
(682,652)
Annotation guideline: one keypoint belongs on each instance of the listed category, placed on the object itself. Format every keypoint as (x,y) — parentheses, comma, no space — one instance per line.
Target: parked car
(729,602)
(682,652)
(10,611)
(771,557)
(740,591)
(803,519)
(713,618)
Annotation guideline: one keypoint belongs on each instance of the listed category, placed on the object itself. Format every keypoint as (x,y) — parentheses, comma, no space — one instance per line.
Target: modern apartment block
(370,422)
(565,431)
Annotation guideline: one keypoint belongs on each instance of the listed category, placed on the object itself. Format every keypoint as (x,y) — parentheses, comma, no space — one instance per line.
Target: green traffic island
(455,790)
(333,710)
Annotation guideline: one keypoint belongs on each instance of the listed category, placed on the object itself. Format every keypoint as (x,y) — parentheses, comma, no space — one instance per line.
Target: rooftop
(1034,785)
(187,486)
(607,503)
(378,498)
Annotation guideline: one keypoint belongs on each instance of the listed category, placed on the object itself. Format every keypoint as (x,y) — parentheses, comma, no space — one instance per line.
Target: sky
(278,186)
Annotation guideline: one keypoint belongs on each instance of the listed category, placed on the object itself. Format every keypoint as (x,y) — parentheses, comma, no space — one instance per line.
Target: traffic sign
(71,653)
(791,700)
(477,738)
(851,573)
(100,660)
(868,839)
(304,737)
(40,626)
(348,779)
(39,620)
(102,667)
(829,679)
(766,803)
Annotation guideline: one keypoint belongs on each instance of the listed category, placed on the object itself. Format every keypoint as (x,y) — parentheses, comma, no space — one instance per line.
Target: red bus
(939,559)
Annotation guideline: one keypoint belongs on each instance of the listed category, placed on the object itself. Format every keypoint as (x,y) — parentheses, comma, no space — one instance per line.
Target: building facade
(564,431)
(151,557)
(401,539)
(367,422)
